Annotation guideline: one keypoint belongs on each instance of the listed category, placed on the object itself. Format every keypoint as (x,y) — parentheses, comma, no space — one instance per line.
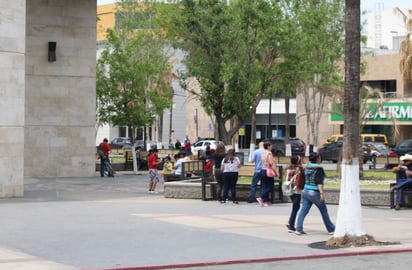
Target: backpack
(299,178)
(100,151)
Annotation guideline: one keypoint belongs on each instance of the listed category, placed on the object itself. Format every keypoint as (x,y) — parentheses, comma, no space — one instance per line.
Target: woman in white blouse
(230,168)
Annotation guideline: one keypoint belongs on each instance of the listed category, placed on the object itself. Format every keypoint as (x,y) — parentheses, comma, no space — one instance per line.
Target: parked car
(298,146)
(201,146)
(405,147)
(332,152)
(375,138)
(120,142)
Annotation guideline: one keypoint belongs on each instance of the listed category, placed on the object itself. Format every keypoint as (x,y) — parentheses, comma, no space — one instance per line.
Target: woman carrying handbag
(268,173)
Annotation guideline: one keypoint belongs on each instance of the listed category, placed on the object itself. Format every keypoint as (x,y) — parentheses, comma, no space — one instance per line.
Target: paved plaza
(113,223)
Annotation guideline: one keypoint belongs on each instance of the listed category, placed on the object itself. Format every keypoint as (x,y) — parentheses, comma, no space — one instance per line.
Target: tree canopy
(232,51)
(133,69)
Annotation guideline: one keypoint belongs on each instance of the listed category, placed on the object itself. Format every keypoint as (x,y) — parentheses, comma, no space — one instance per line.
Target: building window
(387,87)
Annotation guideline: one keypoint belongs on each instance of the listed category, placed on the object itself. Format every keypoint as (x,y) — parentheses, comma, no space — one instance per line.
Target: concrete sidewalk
(113,223)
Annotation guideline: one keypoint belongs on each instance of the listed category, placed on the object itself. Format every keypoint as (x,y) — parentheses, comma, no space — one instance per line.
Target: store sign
(400,112)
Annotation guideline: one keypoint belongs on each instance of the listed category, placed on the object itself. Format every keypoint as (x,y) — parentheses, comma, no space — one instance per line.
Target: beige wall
(60,96)
(12,36)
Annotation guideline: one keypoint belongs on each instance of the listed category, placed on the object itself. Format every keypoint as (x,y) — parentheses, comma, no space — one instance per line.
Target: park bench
(128,156)
(386,161)
(248,171)
(407,196)
(191,169)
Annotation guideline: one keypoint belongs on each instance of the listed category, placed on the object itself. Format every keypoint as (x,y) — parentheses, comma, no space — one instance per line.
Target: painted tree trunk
(349,218)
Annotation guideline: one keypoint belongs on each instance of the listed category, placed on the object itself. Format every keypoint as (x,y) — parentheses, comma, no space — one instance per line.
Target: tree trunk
(349,219)
(287,118)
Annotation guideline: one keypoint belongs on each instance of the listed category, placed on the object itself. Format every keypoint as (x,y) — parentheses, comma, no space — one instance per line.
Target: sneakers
(299,232)
(260,201)
(331,233)
(290,229)
(394,188)
(397,207)
(235,202)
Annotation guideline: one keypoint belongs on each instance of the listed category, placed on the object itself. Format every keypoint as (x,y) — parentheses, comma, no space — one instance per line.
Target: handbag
(270,172)
(287,189)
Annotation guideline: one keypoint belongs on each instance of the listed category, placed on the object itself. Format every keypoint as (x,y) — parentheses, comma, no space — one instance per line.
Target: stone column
(12,94)
(60,107)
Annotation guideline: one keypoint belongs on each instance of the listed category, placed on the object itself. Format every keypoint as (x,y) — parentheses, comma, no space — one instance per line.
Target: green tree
(312,53)
(133,71)
(232,49)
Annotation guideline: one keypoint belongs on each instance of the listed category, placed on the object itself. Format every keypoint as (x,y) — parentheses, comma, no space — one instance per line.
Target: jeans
(401,185)
(229,182)
(295,208)
(253,186)
(103,161)
(313,197)
(267,185)
(219,180)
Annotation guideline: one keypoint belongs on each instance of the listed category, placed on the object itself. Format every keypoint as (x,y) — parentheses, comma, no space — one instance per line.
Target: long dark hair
(220,149)
(230,156)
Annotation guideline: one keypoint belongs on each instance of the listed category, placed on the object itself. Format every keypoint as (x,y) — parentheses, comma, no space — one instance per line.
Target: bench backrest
(192,166)
(249,170)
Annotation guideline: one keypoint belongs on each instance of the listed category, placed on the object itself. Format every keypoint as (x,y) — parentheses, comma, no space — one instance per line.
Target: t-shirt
(257,157)
(152,161)
(179,165)
(231,166)
(167,168)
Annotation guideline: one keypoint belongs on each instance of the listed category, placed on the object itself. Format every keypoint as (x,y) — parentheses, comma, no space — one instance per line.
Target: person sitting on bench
(403,178)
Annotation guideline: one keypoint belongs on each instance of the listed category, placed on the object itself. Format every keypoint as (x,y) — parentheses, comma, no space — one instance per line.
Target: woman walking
(313,193)
(295,175)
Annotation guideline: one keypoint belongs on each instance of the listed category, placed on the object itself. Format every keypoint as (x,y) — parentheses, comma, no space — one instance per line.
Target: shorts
(154,175)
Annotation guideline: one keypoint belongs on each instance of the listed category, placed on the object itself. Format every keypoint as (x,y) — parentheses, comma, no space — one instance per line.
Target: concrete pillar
(60,95)
(12,95)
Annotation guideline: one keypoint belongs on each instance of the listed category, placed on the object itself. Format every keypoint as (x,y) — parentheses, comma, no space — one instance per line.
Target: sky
(368,5)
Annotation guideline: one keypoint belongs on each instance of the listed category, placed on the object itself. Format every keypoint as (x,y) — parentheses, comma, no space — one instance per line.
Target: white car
(201,146)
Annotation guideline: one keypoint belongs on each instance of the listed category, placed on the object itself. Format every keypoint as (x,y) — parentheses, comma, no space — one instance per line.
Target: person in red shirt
(104,160)
(153,161)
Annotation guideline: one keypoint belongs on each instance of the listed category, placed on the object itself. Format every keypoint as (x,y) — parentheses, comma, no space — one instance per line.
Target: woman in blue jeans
(268,182)
(313,193)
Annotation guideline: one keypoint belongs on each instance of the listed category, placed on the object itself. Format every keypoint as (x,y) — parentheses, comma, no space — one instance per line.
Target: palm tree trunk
(349,219)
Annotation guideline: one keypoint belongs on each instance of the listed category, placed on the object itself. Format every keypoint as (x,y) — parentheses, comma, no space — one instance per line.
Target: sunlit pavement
(113,223)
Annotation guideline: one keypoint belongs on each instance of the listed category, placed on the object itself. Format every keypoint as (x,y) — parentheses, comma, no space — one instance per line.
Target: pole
(197,125)
(270,116)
